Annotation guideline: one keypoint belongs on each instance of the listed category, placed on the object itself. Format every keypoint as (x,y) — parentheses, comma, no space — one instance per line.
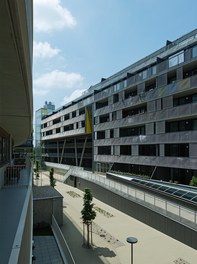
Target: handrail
(183,215)
(62,244)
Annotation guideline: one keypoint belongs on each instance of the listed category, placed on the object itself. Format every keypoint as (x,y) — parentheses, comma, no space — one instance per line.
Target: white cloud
(50,15)
(77,93)
(57,80)
(44,50)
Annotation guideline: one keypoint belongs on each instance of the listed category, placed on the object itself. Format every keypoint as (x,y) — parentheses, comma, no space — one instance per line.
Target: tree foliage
(193,181)
(88,214)
(51,177)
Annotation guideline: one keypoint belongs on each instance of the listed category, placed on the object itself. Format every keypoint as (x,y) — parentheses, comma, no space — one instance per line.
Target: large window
(176,59)
(130,92)
(102,103)
(182,125)
(125,150)
(104,150)
(149,150)
(134,111)
(185,99)
(56,121)
(100,134)
(104,118)
(177,150)
(132,131)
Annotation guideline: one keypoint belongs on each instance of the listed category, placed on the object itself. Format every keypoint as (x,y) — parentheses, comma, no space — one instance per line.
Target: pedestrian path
(46,250)
(112,225)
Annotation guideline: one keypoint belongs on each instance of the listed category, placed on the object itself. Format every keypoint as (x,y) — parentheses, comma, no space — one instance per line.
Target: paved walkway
(111,228)
(46,250)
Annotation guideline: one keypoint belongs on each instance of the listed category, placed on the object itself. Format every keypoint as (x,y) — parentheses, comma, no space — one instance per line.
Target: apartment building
(144,118)
(67,133)
(15,128)
(47,109)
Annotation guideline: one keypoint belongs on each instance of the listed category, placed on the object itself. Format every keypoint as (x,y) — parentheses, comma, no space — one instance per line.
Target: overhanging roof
(16,106)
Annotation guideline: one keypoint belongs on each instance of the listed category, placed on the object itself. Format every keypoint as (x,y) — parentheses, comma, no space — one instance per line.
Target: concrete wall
(161,223)
(43,210)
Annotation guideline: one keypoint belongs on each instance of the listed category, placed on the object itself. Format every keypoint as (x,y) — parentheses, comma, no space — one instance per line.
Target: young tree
(88,214)
(51,177)
(36,169)
(193,181)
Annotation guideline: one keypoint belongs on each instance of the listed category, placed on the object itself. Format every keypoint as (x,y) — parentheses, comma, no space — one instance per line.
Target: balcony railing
(13,175)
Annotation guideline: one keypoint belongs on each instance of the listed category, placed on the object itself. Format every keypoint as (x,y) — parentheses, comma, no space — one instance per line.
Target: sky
(78,42)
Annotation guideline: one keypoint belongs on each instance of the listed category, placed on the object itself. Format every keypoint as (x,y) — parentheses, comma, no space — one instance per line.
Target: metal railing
(17,175)
(173,210)
(62,244)
(13,175)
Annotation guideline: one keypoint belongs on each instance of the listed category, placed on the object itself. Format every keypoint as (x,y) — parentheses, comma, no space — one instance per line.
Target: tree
(193,181)
(51,177)
(88,214)
(36,169)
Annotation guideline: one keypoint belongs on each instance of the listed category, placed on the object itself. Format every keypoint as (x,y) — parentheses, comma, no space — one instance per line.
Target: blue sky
(77,42)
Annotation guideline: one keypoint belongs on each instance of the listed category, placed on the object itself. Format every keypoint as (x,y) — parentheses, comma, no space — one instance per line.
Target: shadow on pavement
(80,253)
(105,252)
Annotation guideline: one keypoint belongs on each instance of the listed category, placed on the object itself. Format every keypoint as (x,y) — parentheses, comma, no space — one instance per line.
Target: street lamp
(132,240)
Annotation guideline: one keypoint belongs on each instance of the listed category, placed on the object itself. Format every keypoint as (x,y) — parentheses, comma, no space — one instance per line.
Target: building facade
(16,112)
(47,109)
(144,118)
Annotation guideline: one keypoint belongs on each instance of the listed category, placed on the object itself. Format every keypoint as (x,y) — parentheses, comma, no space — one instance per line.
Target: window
(177,150)
(115,98)
(130,93)
(151,85)
(111,133)
(104,150)
(132,131)
(134,111)
(182,125)
(153,70)
(184,100)
(125,150)
(142,75)
(73,114)
(176,59)
(102,103)
(114,116)
(194,51)
(57,120)
(104,118)
(82,111)
(149,150)
(58,130)
(100,134)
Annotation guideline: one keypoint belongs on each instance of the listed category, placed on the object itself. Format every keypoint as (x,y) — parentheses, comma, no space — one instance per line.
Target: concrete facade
(144,118)
(47,202)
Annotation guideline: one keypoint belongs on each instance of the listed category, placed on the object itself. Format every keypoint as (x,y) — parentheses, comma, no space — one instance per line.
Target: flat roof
(45,192)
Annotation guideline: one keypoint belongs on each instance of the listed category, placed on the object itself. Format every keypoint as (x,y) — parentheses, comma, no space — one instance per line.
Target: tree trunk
(88,236)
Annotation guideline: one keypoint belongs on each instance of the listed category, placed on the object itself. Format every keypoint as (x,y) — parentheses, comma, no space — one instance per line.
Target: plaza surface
(110,231)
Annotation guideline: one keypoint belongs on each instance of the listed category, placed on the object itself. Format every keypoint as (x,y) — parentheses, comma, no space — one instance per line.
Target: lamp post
(132,240)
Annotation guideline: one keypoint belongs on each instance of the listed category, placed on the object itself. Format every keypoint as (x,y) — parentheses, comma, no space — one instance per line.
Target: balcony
(16,215)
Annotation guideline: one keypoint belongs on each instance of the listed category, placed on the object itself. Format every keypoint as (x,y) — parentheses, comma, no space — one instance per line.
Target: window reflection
(176,59)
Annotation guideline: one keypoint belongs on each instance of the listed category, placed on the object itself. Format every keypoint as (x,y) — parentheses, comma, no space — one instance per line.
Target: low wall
(164,224)
(43,210)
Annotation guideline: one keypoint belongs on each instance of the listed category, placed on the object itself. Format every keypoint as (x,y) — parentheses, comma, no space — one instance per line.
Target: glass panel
(189,196)
(171,190)
(179,193)
(173,61)
(176,59)
(194,51)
